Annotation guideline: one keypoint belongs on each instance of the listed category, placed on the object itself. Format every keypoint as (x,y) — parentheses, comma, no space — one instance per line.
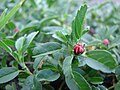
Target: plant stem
(26,68)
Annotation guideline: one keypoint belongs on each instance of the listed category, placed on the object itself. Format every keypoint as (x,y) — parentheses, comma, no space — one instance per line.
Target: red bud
(79,49)
(105,41)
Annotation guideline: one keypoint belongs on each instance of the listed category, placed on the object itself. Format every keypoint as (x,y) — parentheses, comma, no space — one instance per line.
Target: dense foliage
(59,45)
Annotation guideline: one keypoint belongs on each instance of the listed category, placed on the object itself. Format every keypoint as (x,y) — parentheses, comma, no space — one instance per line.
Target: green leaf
(47,19)
(97,65)
(96,80)
(10,26)
(46,48)
(31,83)
(95,88)
(117,86)
(23,42)
(81,61)
(111,30)
(11,86)
(85,31)
(47,75)
(73,36)
(79,19)
(4,61)
(28,84)
(50,2)
(2,35)
(20,43)
(6,47)
(37,62)
(67,69)
(9,42)
(117,72)
(101,60)
(50,66)
(74,80)
(7,74)
(29,39)
(10,14)
(115,42)
(36,84)
(33,3)
(83,84)
(101,87)
(95,42)
(32,26)
(3,14)
(52,29)
(60,36)
(28,28)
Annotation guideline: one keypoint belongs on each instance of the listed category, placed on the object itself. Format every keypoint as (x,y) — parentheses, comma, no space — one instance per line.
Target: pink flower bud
(105,41)
(16,29)
(79,49)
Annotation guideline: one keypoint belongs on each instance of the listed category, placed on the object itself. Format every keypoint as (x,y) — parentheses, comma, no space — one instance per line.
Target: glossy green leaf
(83,84)
(9,42)
(52,29)
(96,80)
(79,19)
(23,42)
(85,31)
(60,37)
(10,26)
(6,47)
(46,48)
(10,14)
(28,28)
(99,87)
(101,60)
(45,20)
(29,39)
(117,86)
(50,66)
(97,65)
(74,80)
(36,84)
(20,43)
(47,75)
(7,74)
(3,14)
(28,84)
(73,36)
